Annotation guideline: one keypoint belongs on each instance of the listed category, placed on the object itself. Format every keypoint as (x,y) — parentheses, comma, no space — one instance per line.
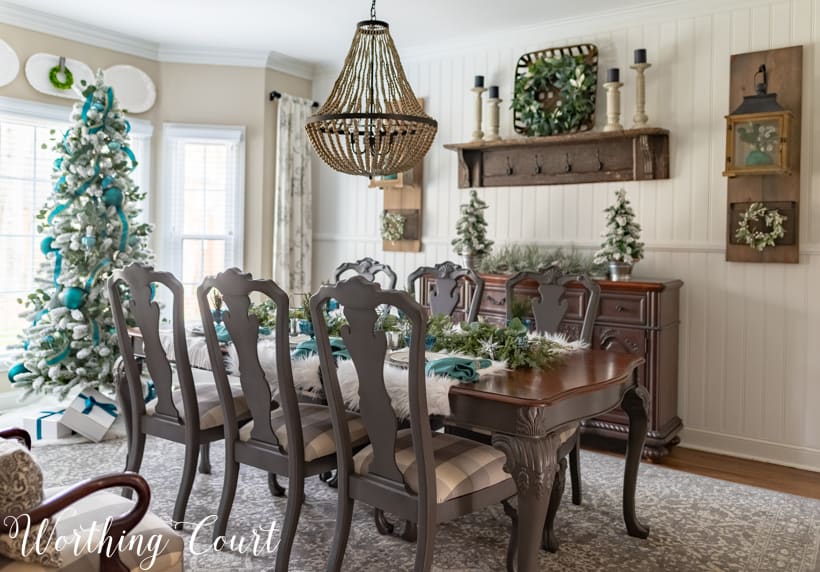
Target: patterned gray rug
(696,523)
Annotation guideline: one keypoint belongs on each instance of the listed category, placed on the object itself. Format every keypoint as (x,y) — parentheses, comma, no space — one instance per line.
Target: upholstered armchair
(135,539)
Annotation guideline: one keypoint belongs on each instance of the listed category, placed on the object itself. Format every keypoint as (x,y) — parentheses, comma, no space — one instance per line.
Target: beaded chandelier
(371,124)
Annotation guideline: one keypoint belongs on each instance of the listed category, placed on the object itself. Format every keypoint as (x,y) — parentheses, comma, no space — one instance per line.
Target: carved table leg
(532,462)
(635,403)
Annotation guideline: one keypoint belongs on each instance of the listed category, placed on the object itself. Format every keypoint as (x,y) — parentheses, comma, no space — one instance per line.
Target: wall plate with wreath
(555,90)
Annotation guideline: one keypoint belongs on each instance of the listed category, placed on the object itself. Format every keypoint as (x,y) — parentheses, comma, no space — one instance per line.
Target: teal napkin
(462,369)
(222,333)
(308,348)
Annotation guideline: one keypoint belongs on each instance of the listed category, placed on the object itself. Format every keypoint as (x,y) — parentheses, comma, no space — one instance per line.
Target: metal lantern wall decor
(371,124)
(758,133)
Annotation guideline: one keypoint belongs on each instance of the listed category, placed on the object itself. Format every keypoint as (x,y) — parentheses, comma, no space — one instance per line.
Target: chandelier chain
(373,10)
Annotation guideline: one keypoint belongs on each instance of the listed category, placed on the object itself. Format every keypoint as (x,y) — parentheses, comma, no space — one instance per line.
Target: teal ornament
(98,106)
(58,163)
(133,240)
(88,242)
(107,182)
(72,297)
(756,158)
(114,145)
(45,245)
(112,197)
(16,370)
(48,341)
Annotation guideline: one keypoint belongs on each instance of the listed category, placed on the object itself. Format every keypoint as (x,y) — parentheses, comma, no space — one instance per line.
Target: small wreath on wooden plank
(758,239)
(393,225)
(556,95)
(53,77)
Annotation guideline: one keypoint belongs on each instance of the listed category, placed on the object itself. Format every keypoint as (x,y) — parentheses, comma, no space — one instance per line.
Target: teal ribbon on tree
(93,276)
(95,331)
(89,101)
(58,267)
(80,190)
(131,156)
(108,183)
(91,403)
(46,415)
(60,356)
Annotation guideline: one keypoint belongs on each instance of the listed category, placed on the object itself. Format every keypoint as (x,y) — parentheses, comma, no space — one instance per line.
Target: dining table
(525,410)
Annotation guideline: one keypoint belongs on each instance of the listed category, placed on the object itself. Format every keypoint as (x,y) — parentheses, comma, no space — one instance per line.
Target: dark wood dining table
(526,409)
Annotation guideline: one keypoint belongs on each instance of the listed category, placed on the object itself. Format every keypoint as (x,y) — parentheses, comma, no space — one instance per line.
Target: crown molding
(24,17)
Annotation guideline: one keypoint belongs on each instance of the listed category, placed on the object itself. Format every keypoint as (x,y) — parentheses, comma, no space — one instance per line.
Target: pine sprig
(622,235)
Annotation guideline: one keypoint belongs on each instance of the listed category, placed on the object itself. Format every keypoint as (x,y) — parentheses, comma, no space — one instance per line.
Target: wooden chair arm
(16,433)
(119,525)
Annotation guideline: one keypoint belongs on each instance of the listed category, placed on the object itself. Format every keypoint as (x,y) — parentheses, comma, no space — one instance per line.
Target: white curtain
(293,225)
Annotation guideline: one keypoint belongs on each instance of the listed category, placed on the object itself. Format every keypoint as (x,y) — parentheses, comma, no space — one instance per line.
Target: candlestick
(479,81)
(640,118)
(478,134)
(613,106)
(613,75)
(494,102)
(640,56)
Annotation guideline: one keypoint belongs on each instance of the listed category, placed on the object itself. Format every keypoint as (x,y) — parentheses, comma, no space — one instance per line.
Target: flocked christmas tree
(622,235)
(471,228)
(90,227)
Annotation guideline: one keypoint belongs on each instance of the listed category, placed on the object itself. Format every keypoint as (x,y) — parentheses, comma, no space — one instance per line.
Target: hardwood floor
(744,471)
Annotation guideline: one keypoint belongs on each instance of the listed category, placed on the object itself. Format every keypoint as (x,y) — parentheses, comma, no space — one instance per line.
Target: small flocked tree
(91,228)
(622,235)
(471,228)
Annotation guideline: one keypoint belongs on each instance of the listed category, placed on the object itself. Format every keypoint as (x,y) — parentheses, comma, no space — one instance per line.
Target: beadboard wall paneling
(750,345)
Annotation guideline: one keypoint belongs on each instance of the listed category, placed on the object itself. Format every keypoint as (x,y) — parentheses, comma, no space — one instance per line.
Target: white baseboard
(754,449)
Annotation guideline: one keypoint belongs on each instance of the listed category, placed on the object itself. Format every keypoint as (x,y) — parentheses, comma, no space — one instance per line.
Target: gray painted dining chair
(419,475)
(368,269)
(178,398)
(294,439)
(549,309)
(444,297)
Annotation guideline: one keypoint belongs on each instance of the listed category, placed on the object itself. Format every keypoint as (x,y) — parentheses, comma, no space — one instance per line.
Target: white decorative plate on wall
(39,66)
(133,88)
(9,64)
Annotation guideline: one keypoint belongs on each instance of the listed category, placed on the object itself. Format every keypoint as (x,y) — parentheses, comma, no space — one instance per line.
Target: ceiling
(318,31)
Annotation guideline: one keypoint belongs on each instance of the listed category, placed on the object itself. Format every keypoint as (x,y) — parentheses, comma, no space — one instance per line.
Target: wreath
(575,81)
(755,238)
(53,74)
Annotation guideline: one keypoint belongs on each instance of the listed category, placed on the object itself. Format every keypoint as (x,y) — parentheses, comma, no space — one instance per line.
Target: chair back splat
(236,289)
(135,286)
(444,296)
(361,301)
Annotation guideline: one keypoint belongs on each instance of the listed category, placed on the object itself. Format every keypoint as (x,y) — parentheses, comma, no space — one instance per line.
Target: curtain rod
(277,95)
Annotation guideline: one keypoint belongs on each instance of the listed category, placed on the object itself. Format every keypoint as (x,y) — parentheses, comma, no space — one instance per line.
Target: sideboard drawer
(623,309)
(494,302)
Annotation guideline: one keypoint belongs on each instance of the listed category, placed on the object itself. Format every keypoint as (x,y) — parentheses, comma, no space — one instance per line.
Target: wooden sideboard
(639,317)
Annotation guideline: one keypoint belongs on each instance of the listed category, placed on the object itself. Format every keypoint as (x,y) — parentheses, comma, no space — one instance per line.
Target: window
(203,203)
(25,183)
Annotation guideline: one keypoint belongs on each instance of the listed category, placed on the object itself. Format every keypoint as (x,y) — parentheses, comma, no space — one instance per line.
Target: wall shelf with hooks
(589,157)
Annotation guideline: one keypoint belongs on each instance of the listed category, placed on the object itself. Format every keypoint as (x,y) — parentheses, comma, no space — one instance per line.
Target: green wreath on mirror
(53,77)
(574,80)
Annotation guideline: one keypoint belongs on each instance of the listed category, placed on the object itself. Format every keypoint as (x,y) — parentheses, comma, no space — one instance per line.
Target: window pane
(214,257)
(16,209)
(216,167)
(193,212)
(17,260)
(215,214)
(194,166)
(45,157)
(191,261)
(12,324)
(17,150)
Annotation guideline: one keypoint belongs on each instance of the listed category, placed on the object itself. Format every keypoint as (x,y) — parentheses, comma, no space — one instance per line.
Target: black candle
(479,81)
(493,92)
(640,56)
(613,75)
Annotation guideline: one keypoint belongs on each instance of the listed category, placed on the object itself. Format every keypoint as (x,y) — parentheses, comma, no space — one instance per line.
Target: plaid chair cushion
(95,508)
(317,430)
(210,408)
(462,466)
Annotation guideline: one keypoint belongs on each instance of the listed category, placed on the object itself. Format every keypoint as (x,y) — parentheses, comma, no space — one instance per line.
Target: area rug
(697,523)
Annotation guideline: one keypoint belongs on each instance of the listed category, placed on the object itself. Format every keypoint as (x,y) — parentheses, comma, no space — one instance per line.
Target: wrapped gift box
(46,425)
(91,414)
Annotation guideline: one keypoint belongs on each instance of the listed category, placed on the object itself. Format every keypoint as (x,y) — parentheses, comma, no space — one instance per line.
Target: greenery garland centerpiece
(748,228)
(471,231)
(575,81)
(512,258)
(393,225)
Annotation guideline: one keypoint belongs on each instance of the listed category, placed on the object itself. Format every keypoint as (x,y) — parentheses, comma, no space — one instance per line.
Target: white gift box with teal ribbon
(91,414)
(46,424)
